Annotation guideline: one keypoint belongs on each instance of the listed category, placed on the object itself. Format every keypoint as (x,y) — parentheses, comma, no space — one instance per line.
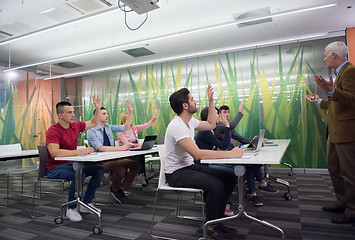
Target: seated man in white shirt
(181,150)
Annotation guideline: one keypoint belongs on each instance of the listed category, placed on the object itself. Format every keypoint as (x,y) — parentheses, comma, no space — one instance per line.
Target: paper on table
(249,155)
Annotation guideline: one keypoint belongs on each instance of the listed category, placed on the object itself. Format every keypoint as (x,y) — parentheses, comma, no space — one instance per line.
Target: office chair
(42,176)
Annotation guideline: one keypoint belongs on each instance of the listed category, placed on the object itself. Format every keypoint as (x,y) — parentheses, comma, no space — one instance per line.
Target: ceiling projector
(141,6)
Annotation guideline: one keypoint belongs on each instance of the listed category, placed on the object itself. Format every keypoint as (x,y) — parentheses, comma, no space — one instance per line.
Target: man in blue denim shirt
(100,138)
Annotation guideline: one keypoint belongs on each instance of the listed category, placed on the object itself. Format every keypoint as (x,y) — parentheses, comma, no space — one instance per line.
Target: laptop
(148,143)
(260,142)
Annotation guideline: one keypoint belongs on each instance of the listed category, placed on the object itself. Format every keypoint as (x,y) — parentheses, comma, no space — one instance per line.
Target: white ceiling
(19,17)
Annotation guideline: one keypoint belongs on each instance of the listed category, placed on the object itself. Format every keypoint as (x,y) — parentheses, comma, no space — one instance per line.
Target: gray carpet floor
(300,218)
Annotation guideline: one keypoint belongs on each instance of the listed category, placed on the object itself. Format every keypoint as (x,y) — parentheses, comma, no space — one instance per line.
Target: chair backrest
(162,178)
(42,151)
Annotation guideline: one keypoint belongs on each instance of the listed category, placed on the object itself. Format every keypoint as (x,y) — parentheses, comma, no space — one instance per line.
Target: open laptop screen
(148,143)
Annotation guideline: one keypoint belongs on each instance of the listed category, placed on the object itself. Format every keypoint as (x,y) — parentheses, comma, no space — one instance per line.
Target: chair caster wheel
(97,230)
(58,220)
(290,174)
(287,196)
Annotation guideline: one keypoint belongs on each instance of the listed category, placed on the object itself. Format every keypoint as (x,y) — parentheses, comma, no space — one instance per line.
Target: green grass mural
(273,92)
(277,105)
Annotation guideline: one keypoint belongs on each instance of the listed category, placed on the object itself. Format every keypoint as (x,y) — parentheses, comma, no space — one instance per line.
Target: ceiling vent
(89,6)
(16,28)
(68,64)
(252,14)
(138,52)
(4,35)
(60,14)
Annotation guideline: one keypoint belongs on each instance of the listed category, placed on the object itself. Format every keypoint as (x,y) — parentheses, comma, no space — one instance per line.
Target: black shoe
(343,219)
(227,230)
(217,234)
(118,195)
(334,208)
(268,189)
(256,200)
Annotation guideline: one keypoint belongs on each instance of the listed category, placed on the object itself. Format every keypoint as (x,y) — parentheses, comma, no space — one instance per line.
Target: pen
(87,145)
(240,145)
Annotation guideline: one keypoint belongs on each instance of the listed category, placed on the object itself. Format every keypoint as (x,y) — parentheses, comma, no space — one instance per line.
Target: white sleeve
(194,123)
(181,131)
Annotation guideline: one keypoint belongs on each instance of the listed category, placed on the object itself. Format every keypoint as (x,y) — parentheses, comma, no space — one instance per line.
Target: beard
(192,109)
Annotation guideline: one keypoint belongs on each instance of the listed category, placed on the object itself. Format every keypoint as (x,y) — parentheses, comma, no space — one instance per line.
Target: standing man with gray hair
(341,127)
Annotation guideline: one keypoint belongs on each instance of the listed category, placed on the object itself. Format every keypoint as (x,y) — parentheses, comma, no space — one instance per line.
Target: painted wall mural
(271,81)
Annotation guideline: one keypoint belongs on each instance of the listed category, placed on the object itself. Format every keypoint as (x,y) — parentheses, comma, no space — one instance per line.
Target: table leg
(239,171)
(287,195)
(78,168)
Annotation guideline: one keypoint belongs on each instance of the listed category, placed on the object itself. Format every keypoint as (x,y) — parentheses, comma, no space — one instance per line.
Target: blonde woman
(131,136)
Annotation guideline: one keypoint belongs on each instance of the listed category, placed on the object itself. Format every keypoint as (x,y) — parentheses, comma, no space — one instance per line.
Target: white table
(269,154)
(6,155)
(19,155)
(78,165)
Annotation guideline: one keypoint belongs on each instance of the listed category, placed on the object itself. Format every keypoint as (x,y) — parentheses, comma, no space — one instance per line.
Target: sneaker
(149,188)
(228,211)
(85,210)
(141,179)
(256,200)
(217,234)
(74,215)
(268,188)
(118,195)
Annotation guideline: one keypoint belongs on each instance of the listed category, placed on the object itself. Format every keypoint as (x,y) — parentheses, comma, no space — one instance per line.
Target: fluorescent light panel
(48,10)
(43,30)
(279,14)
(198,54)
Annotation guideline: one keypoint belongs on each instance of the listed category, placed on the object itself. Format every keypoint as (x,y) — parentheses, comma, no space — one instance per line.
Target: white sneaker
(85,210)
(74,215)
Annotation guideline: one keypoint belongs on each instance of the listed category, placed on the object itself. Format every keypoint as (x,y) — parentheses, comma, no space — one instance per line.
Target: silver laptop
(148,143)
(260,142)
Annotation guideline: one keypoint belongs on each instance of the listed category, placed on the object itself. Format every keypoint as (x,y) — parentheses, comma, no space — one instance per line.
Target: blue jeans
(65,171)
(253,172)
(223,167)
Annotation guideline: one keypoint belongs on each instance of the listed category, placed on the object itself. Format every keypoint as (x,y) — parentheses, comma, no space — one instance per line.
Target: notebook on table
(148,143)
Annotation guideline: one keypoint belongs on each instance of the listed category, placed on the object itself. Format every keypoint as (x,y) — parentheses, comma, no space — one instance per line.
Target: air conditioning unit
(90,6)
(4,35)
(141,6)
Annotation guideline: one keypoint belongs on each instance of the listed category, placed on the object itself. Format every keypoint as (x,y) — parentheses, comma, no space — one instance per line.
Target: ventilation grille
(68,65)
(89,6)
(138,52)
(253,14)
(15,28)
(4,35)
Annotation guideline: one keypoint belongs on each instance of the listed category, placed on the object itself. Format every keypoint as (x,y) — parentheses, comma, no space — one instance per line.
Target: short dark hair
(178,98)
(204,113)
(101,108)
(204,116)
(60,106)
(223,107)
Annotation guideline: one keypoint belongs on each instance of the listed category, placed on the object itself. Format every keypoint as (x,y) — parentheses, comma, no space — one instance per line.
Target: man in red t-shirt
(61,140)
